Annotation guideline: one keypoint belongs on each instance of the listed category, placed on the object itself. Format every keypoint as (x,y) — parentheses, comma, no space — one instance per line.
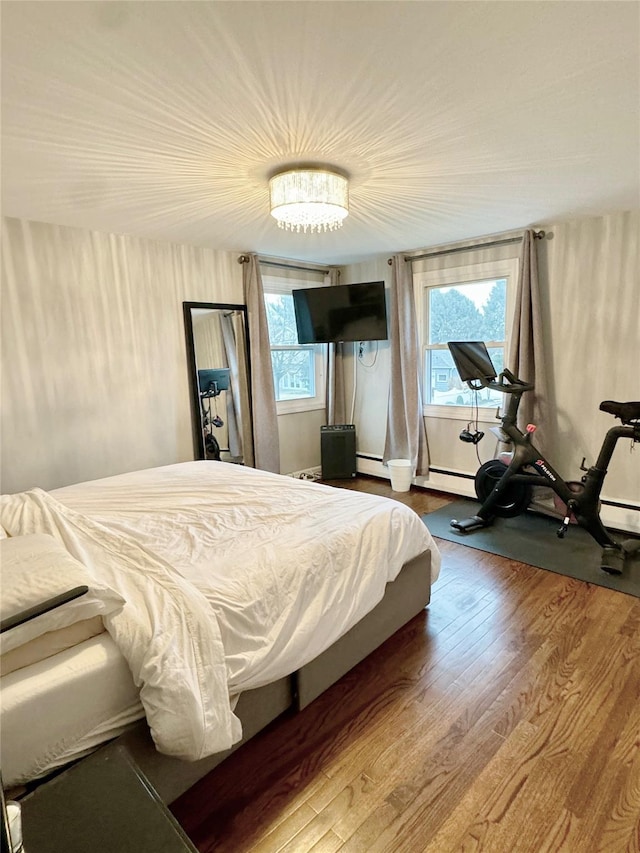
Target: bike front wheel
(514,499)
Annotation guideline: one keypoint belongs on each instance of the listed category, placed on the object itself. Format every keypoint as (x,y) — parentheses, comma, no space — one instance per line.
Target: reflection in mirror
(217,352)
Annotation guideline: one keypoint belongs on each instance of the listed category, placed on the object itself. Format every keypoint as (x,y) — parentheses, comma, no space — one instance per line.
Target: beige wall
(300,440)
(591,274)
(94,374)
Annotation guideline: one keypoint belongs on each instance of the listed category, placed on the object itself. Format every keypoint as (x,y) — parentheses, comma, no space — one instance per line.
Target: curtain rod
(244,259)
(478,246)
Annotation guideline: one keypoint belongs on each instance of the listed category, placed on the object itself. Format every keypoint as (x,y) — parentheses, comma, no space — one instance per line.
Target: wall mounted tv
(341,312)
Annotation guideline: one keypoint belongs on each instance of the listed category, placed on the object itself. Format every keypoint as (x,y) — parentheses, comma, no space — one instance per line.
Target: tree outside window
(293,364)
(474,311)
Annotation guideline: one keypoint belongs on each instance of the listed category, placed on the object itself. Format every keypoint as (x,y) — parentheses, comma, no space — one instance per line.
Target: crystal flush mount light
(306,199)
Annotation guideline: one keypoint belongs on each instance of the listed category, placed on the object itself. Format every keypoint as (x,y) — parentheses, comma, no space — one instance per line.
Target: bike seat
(627,412)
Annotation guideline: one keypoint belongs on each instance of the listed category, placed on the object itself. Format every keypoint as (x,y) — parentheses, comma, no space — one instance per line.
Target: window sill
(461,413)
(292,407)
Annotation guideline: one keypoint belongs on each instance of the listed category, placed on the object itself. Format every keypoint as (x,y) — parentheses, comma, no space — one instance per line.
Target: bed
(228,595)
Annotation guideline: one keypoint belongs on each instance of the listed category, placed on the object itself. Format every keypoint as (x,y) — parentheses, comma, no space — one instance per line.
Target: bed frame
(404,598)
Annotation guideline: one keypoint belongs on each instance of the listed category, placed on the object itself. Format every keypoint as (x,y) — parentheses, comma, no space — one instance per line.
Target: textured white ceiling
(453,119)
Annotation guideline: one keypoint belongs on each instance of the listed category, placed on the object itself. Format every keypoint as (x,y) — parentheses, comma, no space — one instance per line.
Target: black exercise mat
(531,538)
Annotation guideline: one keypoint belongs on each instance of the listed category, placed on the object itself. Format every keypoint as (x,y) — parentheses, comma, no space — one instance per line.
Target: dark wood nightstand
(103,804)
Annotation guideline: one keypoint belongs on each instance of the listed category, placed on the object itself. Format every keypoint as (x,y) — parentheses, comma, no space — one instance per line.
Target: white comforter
(233,577)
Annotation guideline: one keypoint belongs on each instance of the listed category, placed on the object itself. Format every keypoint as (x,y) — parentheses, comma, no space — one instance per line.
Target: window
(464,304)
(298,369)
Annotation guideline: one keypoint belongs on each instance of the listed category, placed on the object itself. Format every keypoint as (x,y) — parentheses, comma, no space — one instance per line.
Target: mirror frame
(196,417)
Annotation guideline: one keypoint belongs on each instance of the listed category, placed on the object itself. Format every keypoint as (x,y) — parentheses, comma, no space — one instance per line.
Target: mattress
(62,708)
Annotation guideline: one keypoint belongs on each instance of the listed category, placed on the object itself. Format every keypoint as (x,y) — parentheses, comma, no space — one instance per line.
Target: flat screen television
(472,360)
(341,312)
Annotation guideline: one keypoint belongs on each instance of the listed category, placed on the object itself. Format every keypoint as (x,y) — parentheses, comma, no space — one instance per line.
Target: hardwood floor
(505,718)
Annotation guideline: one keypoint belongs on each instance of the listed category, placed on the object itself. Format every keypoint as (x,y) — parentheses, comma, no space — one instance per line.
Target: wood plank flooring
(505,718)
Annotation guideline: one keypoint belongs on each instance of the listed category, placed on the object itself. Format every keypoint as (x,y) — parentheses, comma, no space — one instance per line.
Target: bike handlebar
(512,385)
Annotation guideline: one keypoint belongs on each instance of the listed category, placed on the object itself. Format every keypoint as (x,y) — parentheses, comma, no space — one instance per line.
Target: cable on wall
(355,382)
(359,353)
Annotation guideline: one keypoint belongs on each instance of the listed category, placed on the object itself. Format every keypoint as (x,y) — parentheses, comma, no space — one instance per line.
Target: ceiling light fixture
(305,199)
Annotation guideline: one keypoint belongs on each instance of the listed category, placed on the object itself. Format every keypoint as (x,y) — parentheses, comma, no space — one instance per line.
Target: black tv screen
(472,360)
(342,312)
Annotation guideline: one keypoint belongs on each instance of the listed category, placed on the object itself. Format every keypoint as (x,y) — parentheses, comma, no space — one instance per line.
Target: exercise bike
(505,490)
(211,381)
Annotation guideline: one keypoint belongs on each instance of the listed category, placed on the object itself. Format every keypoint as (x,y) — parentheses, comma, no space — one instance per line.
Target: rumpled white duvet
(232,577)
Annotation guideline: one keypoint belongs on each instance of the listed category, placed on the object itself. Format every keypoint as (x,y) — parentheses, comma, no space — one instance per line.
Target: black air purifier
(338,451)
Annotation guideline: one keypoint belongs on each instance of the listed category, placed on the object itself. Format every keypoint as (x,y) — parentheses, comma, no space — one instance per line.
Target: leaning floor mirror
(219,381)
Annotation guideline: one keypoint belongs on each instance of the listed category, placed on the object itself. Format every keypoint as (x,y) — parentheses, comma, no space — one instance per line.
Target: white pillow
(35,568)
(50,644)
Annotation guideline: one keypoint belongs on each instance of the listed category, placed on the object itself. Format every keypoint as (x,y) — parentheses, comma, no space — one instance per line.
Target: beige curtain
(406,436)
(234,406)
(526,354)
(243,390)
(266,443)
(336,405)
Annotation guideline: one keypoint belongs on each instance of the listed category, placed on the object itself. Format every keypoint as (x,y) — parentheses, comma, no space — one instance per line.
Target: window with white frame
(470,303)
(298,369)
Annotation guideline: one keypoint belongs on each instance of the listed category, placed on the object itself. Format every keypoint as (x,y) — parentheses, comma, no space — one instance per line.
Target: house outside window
(463,304)
(298,369)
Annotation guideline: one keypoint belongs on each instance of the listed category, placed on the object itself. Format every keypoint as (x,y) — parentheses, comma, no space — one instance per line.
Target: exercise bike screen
(472,360)
(213,380)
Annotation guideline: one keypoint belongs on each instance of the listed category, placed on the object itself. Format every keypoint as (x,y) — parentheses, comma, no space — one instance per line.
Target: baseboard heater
(462,476)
